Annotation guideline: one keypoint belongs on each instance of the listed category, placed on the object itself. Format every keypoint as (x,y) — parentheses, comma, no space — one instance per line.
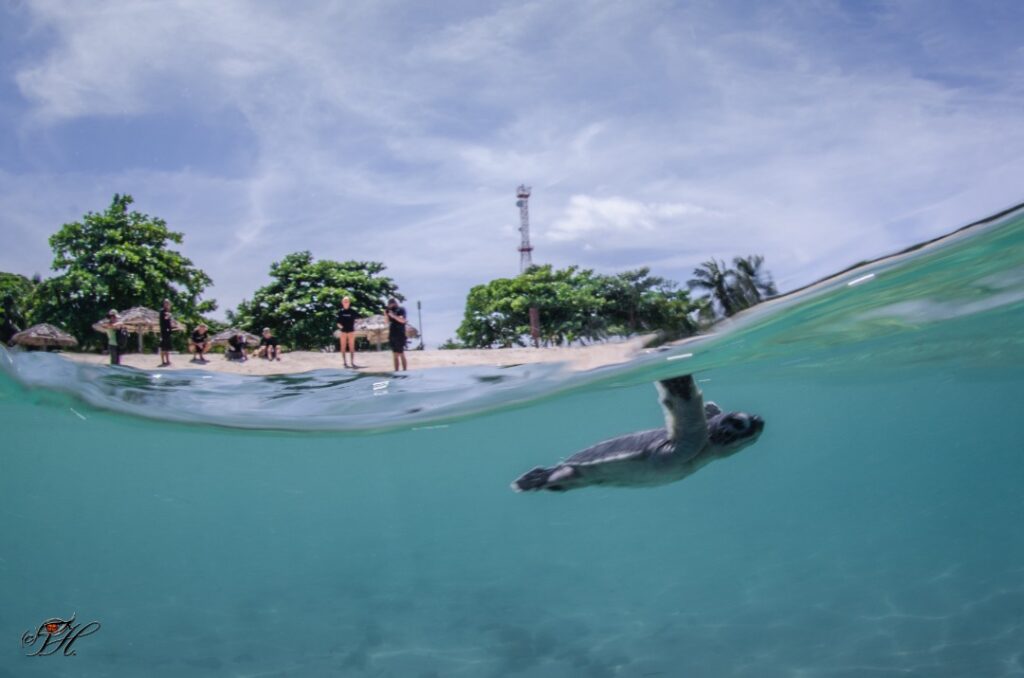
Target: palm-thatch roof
(44,334)
(139,320)
(375,329)
(221,338)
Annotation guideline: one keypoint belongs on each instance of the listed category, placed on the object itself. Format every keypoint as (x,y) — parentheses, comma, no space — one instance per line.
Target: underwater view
(335,523)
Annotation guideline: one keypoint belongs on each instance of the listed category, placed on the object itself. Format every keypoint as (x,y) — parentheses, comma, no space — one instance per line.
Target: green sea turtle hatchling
(695,434)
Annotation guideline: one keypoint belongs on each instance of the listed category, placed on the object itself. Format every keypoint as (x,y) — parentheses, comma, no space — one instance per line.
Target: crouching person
(199,343)
(269,347)
(236,348)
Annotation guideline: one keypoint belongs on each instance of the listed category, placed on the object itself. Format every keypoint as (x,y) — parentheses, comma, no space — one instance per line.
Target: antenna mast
(523,203)
(525,257)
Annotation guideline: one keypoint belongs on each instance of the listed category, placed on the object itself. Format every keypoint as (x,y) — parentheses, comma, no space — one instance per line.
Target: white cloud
(487,37)
(587,218)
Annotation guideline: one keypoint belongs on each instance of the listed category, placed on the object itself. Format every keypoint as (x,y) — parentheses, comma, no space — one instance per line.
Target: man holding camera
(396,331)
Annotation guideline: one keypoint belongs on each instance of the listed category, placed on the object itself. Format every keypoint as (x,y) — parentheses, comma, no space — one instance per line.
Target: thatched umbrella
(221,338)
(139,320)
(46,335)
(375,329)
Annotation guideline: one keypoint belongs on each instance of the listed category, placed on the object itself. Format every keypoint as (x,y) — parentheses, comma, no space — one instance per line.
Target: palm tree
(714,278)
(752,284)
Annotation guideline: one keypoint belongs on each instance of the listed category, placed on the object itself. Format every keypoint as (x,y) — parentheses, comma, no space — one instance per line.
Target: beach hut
(221,338)
(375,329)
(139,320)
(44,335)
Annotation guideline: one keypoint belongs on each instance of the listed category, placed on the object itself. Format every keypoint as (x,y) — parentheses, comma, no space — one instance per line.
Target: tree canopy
(753,283)
(573,305)
(301,302)
(734,289)
(640,302)
(117,259)
(15,301)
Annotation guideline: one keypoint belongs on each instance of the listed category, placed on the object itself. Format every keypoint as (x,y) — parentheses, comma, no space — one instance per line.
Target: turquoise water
(333,525)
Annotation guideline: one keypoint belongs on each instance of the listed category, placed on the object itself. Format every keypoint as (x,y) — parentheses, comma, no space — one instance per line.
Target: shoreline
(576,358)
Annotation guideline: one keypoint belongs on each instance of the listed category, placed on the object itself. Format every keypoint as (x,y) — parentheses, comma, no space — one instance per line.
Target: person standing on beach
(10,327)
(165,334)
(346,323)
(112,325)
(396,332)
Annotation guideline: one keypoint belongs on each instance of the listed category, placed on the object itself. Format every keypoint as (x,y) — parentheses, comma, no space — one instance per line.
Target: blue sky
(653,133)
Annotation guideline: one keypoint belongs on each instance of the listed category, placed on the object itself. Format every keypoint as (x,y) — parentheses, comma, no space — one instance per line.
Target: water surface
(321,524)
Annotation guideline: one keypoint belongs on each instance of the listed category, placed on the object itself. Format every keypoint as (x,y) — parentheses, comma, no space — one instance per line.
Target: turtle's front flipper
(684,412)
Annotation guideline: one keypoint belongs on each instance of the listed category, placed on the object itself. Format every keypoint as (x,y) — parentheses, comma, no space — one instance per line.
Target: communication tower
(525,257)
(523,203)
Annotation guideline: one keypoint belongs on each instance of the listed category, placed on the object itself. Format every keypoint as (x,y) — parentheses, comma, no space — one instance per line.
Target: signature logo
(58,635)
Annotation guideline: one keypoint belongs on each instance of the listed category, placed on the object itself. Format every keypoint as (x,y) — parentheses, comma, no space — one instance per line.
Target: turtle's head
(730,432)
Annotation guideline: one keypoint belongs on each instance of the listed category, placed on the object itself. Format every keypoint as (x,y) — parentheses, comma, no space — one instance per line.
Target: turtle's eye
(738,422)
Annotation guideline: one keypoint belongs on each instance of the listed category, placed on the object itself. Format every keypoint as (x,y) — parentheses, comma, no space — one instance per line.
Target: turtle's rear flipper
(532,480)
(544,479)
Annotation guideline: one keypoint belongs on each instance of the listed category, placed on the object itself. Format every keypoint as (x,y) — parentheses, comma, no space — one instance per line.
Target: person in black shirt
(165,334)
(236,348)
(10,327)
(268,346)
(199,343)
(396,332)
(346,323)
(8,331)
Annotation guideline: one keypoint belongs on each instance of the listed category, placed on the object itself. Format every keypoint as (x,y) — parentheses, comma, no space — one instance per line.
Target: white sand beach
(577,358)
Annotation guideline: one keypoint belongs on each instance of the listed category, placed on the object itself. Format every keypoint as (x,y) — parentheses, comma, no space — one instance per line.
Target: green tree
(752,283)
(569,302)
(625,296)
(716,279)
(497,313)
(640,302)
(15,300)
(574,306)
(301,302)
(734,289)
(117,259)
(669,311)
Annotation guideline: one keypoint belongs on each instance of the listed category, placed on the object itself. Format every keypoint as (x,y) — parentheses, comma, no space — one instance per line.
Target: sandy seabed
(577,358)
